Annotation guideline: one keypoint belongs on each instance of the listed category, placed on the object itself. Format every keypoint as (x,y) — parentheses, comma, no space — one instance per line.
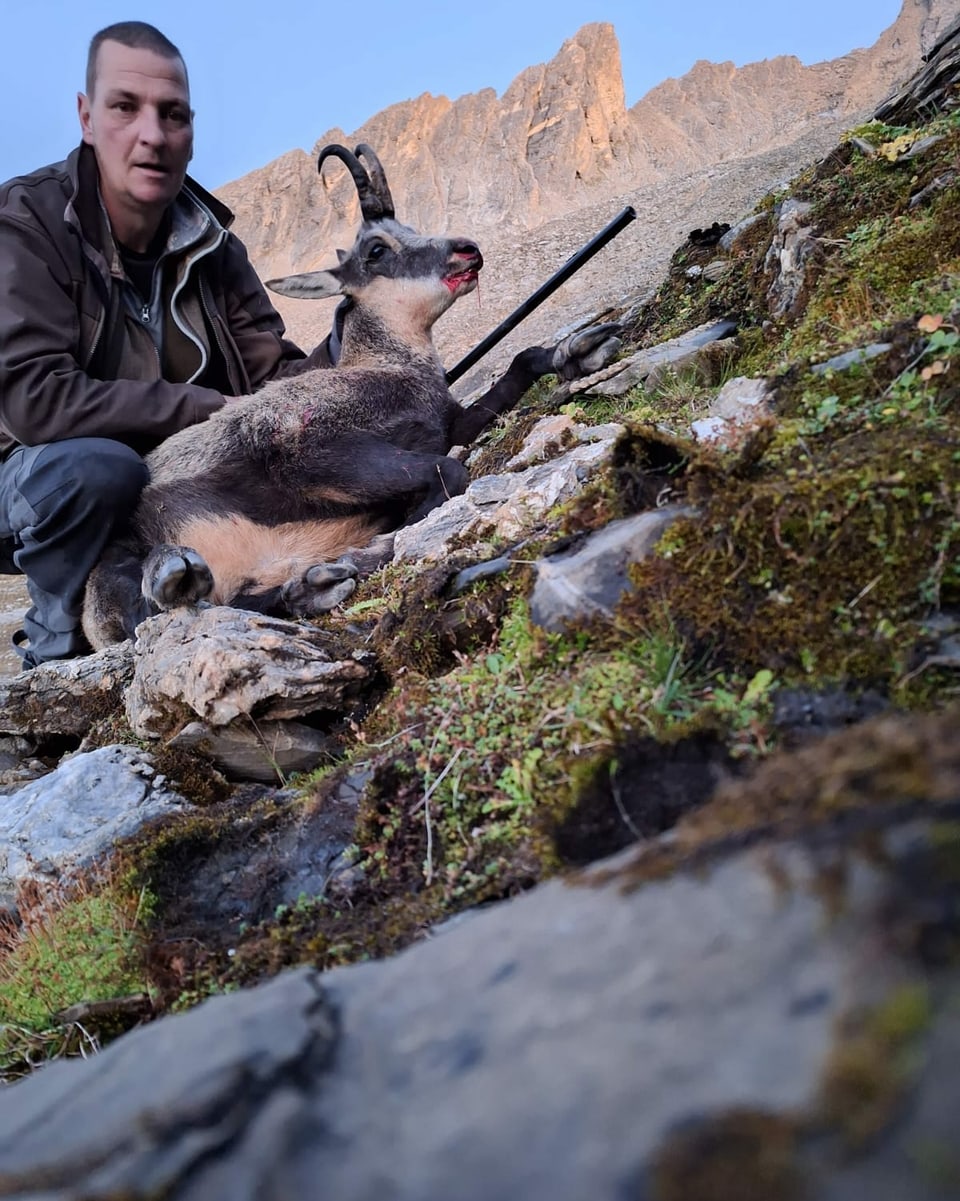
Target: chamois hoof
(320,588)
(176,575)
(587,351)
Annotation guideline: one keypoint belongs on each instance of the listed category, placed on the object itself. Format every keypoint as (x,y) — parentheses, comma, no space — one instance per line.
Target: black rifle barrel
(546,289)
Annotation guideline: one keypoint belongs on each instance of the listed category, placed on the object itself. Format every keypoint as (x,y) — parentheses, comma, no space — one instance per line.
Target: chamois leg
(322,587)
(369,473)
(579,354)
(114,603)
(317,590)
(411,482)
(399,485)
(527,367)
(175,575)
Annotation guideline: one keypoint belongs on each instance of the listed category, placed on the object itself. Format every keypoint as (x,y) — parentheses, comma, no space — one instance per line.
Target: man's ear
(83,112)
(312,285)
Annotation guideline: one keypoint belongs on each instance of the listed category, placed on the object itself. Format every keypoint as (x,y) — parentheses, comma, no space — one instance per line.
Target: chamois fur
(280,500)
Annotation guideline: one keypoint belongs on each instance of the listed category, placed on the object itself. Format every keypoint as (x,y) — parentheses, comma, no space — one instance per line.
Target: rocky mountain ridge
(559,152)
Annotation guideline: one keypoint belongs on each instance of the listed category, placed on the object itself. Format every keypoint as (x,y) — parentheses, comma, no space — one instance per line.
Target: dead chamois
(279,501)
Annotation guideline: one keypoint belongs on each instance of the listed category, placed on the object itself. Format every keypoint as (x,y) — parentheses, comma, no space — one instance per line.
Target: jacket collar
(194,208)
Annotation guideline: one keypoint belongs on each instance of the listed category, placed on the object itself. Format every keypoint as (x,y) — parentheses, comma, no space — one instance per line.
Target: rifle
(572,265)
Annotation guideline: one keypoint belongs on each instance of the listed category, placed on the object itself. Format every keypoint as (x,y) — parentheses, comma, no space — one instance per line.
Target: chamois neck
(369,339)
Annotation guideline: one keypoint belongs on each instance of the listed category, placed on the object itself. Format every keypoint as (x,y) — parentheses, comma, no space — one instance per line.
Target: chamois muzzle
(469,252)
(465,262)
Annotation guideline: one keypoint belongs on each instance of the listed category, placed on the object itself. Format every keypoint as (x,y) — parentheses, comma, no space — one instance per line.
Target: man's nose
(149,127)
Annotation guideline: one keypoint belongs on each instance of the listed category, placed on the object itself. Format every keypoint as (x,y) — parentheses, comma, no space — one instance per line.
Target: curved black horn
(371,205)
(378,178)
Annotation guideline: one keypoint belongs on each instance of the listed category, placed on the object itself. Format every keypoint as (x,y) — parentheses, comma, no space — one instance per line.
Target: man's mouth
(153,168)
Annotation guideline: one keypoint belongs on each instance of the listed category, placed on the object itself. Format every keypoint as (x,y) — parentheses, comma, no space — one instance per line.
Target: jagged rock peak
(558,126)
(560,133)
(560,141)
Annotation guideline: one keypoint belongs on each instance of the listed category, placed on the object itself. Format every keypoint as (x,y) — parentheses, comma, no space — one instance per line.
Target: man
(127,312)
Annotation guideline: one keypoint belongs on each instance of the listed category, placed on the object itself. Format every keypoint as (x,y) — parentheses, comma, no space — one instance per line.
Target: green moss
(873,1065)
(318,932)
(885,762)
(499,749)
(903,1017)
(743,1155)
(83,946)
(829,548)
(426,628)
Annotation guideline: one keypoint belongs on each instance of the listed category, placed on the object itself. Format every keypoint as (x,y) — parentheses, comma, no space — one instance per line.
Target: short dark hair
(135,35)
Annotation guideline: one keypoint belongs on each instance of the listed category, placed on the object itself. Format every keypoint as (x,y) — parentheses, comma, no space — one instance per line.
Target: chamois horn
(378,178)
(371,202)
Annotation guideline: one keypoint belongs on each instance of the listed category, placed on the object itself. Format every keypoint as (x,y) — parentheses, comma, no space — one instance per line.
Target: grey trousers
(60,505)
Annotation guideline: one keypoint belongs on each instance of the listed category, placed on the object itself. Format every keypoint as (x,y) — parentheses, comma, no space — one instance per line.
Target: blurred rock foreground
(608,844)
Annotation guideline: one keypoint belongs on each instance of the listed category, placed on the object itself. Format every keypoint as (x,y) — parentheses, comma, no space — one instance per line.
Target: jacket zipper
(181,325)
(145,316)
(230,361)
(102,321)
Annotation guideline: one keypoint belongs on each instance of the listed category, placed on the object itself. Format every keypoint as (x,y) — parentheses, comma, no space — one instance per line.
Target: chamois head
(391,268)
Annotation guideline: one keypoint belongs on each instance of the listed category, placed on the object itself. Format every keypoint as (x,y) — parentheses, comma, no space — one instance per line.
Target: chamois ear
(342,256)
(312,285)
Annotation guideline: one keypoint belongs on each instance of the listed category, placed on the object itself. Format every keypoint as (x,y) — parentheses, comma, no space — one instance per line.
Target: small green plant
(503,736)
(373,604)
(746,709)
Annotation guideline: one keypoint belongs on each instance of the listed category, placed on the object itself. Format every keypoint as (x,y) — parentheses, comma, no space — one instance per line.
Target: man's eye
(124,106)
(178,116)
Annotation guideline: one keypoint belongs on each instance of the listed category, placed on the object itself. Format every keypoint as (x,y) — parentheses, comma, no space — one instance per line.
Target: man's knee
(114,474)
(96,474)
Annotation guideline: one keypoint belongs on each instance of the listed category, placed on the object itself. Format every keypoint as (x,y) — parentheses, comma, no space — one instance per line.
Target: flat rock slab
(589,581)
(66,697)
(268,1043)
(548,1048)
(508,505)
(268,751)
(620,377)
(220,664)
(555,431)
(739,406)
(792,245)
(71,818)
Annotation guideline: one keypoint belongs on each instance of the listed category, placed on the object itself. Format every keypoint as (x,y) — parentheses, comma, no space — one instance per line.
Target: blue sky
(266,78)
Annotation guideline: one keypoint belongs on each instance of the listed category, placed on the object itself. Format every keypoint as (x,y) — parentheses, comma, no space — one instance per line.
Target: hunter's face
(139,123)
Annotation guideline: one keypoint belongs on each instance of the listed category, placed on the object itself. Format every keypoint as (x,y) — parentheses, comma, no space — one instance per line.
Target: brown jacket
(74,359)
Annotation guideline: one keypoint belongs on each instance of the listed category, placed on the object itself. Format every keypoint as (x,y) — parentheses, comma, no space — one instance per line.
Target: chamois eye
(376,251)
